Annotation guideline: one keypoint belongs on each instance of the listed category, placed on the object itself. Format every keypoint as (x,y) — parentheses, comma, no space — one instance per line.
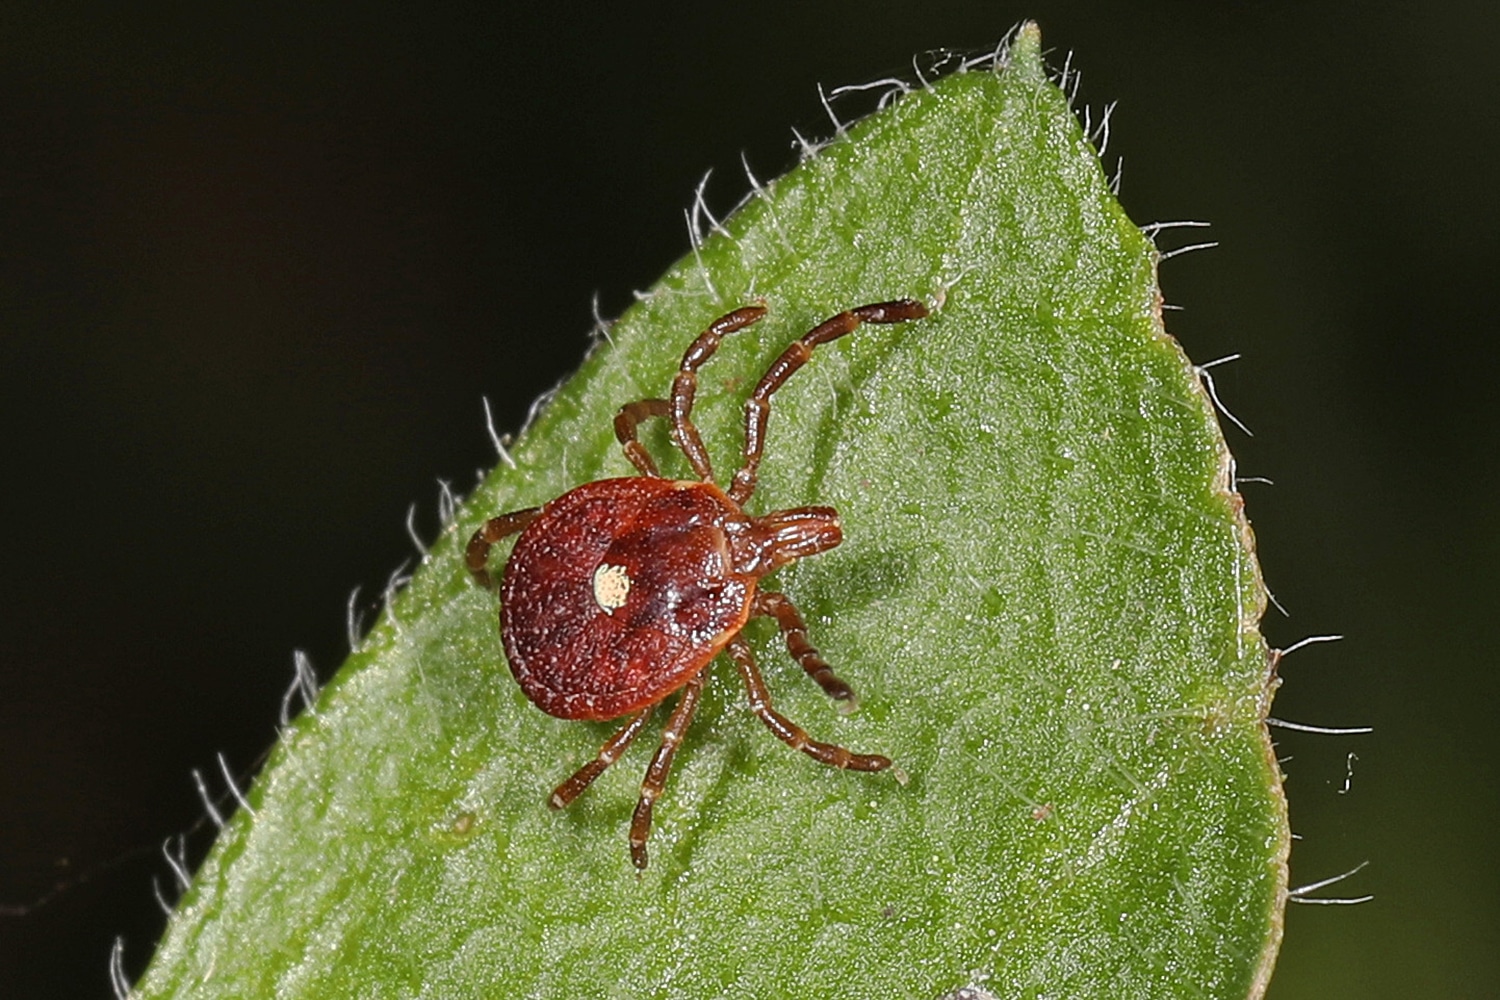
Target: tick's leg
(656,774)
(794,630)
(685,385)
(608,754)
(626,420)
(758,406)
(789,732)
(478,553)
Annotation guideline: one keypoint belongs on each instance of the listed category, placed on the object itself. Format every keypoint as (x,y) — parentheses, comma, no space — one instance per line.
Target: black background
(258,267)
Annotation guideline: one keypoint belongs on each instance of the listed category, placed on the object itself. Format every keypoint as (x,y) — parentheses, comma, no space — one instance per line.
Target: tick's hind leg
(478,553)
(789,732)
(608,754)
(661,764)
(794,630)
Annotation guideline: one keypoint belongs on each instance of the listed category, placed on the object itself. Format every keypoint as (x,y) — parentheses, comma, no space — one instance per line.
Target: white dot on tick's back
(611,587)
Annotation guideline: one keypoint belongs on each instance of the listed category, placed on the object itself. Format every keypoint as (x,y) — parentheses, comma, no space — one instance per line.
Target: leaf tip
(1026,48)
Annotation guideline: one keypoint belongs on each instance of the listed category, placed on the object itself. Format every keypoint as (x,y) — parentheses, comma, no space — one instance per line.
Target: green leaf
(1047,599)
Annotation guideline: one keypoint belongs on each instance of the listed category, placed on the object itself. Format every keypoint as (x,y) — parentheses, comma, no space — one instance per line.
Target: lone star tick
(621,591)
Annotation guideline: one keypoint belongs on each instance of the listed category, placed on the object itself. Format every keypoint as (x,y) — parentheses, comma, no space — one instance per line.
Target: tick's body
(621,591)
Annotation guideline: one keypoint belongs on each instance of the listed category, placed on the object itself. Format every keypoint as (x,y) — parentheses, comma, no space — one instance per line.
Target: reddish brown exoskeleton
(621,591)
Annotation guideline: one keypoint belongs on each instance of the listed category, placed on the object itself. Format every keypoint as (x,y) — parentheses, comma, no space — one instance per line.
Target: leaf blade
(1047,599)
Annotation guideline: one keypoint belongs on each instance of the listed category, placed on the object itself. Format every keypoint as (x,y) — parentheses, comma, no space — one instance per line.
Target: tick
(621,591)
